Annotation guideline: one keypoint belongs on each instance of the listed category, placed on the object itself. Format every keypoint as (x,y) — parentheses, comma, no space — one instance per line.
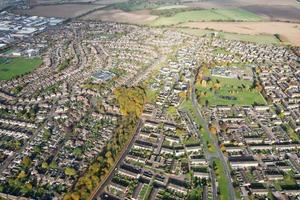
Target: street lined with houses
(121,111)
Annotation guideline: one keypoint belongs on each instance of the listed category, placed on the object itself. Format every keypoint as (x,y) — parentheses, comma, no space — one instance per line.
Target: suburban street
(146,100)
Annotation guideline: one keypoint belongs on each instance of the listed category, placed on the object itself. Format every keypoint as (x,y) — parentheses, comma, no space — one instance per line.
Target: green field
(133,6)
(12,67)
(260,39)
(207,15)
(240,89)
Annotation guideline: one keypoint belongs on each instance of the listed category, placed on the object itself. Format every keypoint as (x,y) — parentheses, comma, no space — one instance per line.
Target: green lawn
(260,39)
(12,67)
(222,181)
(207,15)
(239,89)
(145,192)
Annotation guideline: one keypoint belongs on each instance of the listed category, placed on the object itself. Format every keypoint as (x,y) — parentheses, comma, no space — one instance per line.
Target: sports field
(207,15)
(12,67)
(228,91)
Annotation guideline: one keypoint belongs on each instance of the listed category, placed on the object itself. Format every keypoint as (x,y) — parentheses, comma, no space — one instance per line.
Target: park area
(228,91)
(12,67)
(206,15)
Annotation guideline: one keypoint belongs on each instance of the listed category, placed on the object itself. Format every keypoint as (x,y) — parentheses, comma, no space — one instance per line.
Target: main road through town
(219,155)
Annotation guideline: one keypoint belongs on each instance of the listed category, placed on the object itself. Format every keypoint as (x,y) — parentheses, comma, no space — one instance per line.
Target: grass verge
(222,181)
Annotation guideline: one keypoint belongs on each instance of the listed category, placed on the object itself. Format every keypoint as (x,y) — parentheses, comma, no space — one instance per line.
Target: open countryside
(288,32)
(207,15)
(260,39)
(116,15)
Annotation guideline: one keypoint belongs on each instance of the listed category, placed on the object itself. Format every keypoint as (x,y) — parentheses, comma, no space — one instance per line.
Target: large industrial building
(6,3)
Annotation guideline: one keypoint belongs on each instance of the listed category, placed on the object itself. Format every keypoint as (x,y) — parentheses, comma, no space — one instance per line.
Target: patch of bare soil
(141,16)
(273,12)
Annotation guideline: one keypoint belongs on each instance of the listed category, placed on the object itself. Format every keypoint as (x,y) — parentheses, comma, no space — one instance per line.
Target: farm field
(273,12)
(260,39)
(171,7)
(134,6)
(12,67)
(240,3)
(207,15)
(60,10)
(238,89)
(136,17)
(289,32)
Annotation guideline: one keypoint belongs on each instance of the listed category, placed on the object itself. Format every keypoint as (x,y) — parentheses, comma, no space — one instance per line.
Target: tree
(67,196)
(21,175)
(131,100)
(206,103)
(213,129)
(26,188)
(77,152)
(26,161)
(109,157)
(53,165)
(94,168)
(70,171)
(195,194)
(171,111)
(45,165)
(75,196)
